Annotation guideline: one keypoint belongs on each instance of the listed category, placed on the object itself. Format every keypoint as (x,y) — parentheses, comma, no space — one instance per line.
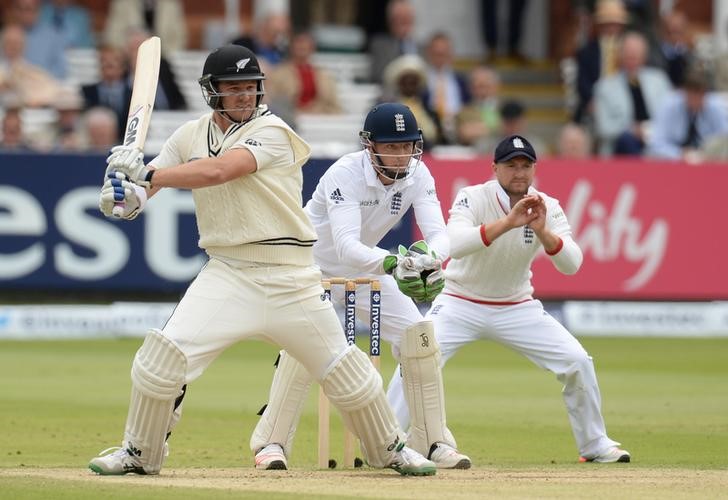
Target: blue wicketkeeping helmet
(391,122)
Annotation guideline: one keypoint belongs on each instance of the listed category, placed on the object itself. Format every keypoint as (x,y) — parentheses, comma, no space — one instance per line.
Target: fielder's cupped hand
(526,210)
(130,162)
(118,191)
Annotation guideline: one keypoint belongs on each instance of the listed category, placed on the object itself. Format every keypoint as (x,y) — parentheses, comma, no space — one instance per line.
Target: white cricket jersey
(256,217)
(500,272)
(352,211)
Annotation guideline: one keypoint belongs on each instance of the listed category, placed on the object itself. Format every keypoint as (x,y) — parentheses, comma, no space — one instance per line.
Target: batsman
(357,201)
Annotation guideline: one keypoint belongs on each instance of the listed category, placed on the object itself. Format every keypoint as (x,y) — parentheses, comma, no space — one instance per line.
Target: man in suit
(597,58)
(385,47)
(113,91)
(624,104)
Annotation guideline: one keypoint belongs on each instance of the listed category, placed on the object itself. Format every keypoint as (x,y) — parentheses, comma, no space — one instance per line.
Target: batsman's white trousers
(529,330)
(277,304)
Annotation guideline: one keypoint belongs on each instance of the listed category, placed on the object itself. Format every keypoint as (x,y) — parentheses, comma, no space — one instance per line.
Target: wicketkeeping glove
(130,162)
(118,190)
(402,267)
(430,268)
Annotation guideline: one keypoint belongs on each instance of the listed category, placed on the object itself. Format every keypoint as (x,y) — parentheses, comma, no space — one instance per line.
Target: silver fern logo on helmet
(241,64)
(399,122)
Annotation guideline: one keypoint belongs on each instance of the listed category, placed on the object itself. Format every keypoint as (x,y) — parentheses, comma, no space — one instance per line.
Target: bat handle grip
(118,210)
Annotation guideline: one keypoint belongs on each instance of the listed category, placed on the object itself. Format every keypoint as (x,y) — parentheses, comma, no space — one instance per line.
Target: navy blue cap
(512,147)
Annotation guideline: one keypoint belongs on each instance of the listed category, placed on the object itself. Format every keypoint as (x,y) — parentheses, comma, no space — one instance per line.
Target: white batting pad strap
(288,392)
(423,389)
(158,374)
(159,367)
(354,386)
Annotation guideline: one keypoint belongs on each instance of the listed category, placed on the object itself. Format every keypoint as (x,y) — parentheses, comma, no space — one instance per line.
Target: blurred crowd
(640,87)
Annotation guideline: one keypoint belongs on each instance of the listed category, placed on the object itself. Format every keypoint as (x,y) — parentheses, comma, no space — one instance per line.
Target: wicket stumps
(375,297)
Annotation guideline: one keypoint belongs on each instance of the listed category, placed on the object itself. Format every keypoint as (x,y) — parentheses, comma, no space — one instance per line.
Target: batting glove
(117,191)
(130,162)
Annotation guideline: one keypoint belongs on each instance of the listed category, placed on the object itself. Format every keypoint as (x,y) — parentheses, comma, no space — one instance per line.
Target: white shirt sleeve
(345,221)
(271,147)
(463,226)
(428,215)
(568,258)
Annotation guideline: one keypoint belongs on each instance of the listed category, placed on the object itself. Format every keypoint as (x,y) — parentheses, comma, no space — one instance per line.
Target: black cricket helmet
(392,122)
(229,63)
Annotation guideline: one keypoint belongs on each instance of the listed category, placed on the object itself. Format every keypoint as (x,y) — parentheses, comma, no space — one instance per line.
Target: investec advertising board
(649,230)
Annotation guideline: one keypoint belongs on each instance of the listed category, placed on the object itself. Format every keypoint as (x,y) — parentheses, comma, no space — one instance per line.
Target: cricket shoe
(612,455)
(410,463)
(119,460)
(271,457)
(447,457)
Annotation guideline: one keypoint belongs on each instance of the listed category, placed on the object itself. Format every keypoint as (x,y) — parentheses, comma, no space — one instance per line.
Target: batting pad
(354,386)
(288,392)
(423,390)
(157,376)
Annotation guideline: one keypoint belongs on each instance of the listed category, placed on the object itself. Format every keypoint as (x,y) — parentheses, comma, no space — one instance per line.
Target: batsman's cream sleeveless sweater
(257,217)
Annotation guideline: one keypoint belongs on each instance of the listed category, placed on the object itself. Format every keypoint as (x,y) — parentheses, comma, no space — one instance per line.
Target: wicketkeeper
(357,201)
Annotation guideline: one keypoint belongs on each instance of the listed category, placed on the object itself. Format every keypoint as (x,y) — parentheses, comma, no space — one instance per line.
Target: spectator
(599,57)
(675,51)
(515,122)
(721,70)
(298,85)
(44,46)
(489,24)
(70,20)
(447,89)
(688,119)
(480,120)
(399,40)
(100,129)
(12,132)
(405,81)
(164,18)
(270,38)
(32,86)
(168,94)
(625,102)
(113,90)
(574,142)
(67,135)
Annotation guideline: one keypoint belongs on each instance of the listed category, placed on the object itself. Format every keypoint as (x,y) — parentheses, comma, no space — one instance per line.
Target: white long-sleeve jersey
(499,272)
(352,211)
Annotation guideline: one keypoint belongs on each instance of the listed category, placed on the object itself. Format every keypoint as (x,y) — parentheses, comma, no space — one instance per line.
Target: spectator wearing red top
(299,86)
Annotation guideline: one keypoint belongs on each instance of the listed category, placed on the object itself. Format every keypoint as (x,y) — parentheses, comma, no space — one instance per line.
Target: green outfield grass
(62,402)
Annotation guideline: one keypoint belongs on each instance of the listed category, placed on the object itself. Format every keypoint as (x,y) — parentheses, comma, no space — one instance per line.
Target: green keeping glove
(430,268)
(402,268)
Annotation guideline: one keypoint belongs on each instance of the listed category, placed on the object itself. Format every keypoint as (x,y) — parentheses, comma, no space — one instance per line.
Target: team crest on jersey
(336,196)
(462,202)
(396,205)
(399,122)
(527,235)
(435,309)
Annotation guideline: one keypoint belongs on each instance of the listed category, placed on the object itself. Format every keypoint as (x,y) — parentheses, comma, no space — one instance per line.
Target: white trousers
(529,330)
(278,304)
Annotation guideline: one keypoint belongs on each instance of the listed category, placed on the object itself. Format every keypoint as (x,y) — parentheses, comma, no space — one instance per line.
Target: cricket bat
(146,75)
